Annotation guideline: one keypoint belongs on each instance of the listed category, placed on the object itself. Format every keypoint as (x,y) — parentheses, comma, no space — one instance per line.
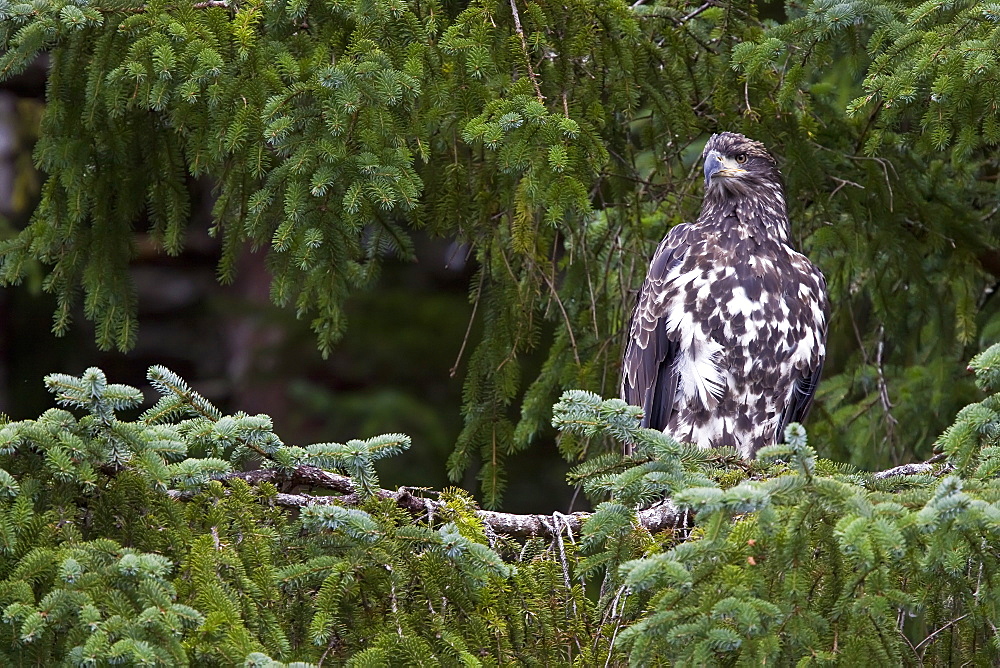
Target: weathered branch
(662,516)
(914,468)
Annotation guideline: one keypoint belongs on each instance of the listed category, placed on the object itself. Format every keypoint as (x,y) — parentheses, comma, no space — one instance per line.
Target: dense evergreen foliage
(100,565)
(559,141)
(125,541)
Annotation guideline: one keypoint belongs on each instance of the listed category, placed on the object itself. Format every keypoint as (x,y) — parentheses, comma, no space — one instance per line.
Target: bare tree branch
(662,516)
(296,485)
(915,468)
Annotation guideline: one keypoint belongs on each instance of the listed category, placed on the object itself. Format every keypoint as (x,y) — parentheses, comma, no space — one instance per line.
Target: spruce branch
(661,516)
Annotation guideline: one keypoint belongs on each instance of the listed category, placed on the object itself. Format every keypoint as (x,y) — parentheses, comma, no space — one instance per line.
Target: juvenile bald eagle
(728,335)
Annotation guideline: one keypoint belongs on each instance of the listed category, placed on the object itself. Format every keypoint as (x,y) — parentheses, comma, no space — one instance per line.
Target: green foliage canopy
(558,140)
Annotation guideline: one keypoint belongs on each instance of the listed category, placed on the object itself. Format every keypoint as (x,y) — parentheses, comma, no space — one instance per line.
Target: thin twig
(696,12)
(558,519)
(569,324)
(987,216)
(882,162)
(524,47)
(472,318)
(746,98)
(843,182)
(883,393)
(623,591)
(937,631)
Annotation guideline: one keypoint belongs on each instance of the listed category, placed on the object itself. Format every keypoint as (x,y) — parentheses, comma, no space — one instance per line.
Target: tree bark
(661,516)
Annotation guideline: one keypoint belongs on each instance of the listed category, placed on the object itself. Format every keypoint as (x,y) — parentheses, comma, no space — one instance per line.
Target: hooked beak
(719,165)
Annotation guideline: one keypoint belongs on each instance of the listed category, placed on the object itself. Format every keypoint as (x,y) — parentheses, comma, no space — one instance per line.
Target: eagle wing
(806,381)
(649,372)
(799,403)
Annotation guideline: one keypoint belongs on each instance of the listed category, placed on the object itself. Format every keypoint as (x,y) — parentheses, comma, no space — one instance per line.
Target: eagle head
(738,165)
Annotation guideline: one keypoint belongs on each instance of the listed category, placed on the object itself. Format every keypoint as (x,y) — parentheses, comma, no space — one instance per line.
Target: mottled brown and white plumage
(728,336)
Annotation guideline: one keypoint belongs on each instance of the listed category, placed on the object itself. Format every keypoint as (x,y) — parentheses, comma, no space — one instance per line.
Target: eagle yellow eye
(741,158)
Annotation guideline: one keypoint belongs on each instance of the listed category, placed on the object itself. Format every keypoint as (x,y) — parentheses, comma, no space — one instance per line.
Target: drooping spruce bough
(134,541)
